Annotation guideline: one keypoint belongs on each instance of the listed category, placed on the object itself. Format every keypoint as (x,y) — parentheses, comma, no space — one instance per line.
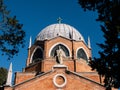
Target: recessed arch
(63,46)
(81,53)
(36,55)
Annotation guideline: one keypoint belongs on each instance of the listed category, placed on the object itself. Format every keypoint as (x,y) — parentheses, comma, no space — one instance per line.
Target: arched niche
(56,47)
(81,54)
(37,55)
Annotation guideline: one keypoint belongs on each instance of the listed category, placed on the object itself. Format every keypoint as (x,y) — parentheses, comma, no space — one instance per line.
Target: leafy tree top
(11,33)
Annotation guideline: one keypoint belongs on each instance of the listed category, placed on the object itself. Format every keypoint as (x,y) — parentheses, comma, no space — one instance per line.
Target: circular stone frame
(56,84)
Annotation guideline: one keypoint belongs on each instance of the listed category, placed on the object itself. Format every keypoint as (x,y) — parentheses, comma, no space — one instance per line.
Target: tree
(3,76)
(11,33)
(108,63)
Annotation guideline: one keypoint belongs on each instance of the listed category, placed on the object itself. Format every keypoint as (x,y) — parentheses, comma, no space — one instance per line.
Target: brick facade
(47,74)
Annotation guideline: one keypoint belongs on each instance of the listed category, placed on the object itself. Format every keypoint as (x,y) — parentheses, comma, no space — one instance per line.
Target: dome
(59,29)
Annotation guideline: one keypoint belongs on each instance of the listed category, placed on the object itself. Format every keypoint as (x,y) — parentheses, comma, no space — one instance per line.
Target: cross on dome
(59,20)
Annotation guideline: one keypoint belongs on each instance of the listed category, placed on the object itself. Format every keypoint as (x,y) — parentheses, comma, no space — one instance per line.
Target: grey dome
(59,29)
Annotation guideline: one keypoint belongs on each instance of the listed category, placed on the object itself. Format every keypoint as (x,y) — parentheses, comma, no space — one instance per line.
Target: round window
(59,80)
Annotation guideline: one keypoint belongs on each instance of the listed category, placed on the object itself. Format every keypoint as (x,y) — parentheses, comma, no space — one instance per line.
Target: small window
(81,54)
(38,55)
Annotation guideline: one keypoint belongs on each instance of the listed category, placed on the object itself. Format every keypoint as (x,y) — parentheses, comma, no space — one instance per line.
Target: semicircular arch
(63,46)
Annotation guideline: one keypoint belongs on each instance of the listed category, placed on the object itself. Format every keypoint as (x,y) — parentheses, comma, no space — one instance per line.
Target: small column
(9,76)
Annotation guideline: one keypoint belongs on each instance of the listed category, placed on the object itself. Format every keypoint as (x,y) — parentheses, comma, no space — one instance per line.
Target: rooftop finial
(59,20)
(9,76)
(30,42)
(89,42)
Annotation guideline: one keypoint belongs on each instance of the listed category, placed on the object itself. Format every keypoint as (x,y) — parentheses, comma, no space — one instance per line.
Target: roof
(59,29)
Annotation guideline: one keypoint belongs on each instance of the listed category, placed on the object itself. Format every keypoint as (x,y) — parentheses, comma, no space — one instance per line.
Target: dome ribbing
(59,29)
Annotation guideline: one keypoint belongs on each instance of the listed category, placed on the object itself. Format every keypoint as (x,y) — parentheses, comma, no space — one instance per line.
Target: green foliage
(3,75)
(11,33)
(108,63)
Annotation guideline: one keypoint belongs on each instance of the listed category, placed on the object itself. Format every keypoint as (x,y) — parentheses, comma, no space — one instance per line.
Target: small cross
(59,20)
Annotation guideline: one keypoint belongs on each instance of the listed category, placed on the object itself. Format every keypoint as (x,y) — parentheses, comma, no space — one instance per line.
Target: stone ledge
(58,66)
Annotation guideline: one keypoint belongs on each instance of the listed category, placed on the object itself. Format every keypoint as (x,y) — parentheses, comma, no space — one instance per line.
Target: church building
(57,60)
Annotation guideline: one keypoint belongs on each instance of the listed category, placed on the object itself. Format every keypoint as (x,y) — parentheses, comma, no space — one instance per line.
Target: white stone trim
(59,66)
(56,45)
(62,85)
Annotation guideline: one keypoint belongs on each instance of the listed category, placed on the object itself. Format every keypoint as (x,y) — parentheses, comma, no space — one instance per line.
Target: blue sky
(37,14)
